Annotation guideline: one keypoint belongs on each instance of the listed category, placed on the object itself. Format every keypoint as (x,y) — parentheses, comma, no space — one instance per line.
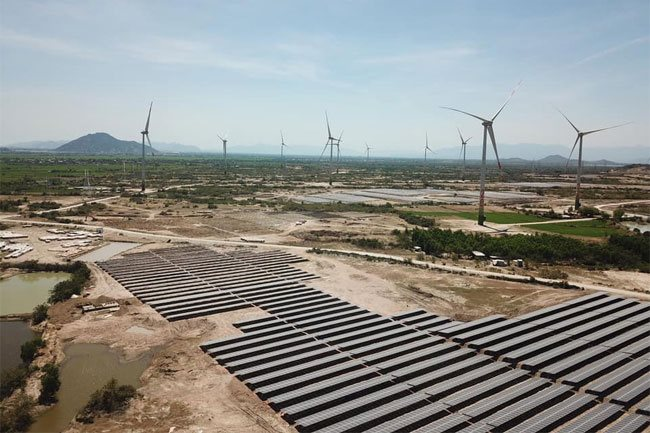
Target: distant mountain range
(101,143)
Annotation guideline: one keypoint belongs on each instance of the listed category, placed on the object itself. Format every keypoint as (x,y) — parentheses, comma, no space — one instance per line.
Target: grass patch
(491,217)
(592,229)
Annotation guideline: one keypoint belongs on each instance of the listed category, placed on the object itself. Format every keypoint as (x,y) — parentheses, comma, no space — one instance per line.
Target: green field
(492,217)
(592,229)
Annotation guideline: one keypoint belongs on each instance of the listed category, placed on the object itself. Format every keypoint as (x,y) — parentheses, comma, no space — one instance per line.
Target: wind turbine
(224,141)
(331,142)
(579,139)
(282,146)
(426,146)
(145,133)
(463,148)
(368,153)
(487,129)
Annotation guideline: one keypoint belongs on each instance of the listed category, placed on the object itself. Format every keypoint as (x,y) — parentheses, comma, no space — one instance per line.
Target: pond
(85,369)
(21,293)
(13,333)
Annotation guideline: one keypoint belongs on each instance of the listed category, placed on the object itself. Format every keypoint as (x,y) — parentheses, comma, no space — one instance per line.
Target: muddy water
(21,293)
(86,368)
(13,333)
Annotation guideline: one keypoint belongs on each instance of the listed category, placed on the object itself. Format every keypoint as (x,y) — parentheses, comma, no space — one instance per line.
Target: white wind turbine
(224,142)
(331,142)
(463,149)
(145,134)
(579,139)
(368,152)
(487,129)
(426,146)
(282,146)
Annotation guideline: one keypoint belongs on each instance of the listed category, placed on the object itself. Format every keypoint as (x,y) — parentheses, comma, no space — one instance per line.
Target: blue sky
(380,68)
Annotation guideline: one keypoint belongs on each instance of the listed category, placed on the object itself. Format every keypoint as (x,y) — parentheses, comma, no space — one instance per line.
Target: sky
(381,69)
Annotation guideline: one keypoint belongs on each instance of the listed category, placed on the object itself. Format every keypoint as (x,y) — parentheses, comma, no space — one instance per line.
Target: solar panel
(630,423)
(593,420)
(613,380)
(633,392)
(409,421)
(554,416)
(484,389)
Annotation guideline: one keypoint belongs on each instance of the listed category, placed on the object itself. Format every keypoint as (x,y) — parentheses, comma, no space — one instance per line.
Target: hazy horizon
(381,70)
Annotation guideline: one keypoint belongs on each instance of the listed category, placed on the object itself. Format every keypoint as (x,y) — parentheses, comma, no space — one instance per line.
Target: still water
(86,368)
(13,333)
(21,293)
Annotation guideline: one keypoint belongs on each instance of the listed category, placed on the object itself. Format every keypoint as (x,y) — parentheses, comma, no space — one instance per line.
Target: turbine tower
(368,153)
(579,139)
(282,146)
(331,142)
(463,149)
(145,134)
(426,146)
(224,141)
(487,129)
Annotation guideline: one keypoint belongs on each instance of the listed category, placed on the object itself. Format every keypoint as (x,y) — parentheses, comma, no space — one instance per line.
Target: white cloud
(611,50)
(49,45)
(426,56)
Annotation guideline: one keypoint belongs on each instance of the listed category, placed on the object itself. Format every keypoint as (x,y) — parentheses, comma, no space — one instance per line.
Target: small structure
(110,306)
(417,249)
(11,235)
(478,255)
(519,263)
(499,262)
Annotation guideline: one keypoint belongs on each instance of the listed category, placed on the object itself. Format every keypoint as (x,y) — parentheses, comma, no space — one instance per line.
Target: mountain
(177,148)
(37,145)
(101,143)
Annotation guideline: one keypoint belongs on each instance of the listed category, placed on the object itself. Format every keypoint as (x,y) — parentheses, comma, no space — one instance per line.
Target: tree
(39,314)
(29,349)
(50,384)
(618,214)
(110,398)
(17,416)
(12,379)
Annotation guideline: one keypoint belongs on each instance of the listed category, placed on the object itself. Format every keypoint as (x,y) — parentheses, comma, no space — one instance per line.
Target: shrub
(110,398)
(39,314)
(29,349)
(618,214)
(553,274)
(50,384)
(417,220)
(11,379)
(17,415)
(368,243)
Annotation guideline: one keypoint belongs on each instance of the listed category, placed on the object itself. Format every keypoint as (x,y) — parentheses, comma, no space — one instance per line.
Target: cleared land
(591,229)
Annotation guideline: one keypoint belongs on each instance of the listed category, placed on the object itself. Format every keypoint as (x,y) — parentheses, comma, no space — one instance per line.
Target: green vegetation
(368,243)
(50,384)
(491,217)
(43,205)
(416,218)
(16,416)
(109,399)
(29,349)
(9,205)
(621,251)
(593,229)
(11,379)
(39,314)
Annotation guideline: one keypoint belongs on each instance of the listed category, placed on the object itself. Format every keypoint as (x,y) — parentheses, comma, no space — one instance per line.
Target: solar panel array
(580,366)
(327,365)
(192,281)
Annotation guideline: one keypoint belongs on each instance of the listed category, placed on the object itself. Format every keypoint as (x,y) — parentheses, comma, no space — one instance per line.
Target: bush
(417,220)
(370,243)
(553,274)
(110,398)
(50,384)
(17,415)
(618,214)
(43,205)
(29,349)
(64,290)
(588,212)
(11,379)
(39,314)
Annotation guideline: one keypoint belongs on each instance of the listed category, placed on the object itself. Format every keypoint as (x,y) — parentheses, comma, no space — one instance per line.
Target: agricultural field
(491,217)
(596,228)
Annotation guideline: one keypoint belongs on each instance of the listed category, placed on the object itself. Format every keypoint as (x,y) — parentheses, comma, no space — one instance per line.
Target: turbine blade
(567,119)
(329,132)
(220,137)
(461,152)
(282,136)
(460,135)
(324,149)
(603,129)
(572,149)
(150,146)
(494,145)
(340,136)
(507,100)
(146,127)
(465,112)
(467,141)
(426,138)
